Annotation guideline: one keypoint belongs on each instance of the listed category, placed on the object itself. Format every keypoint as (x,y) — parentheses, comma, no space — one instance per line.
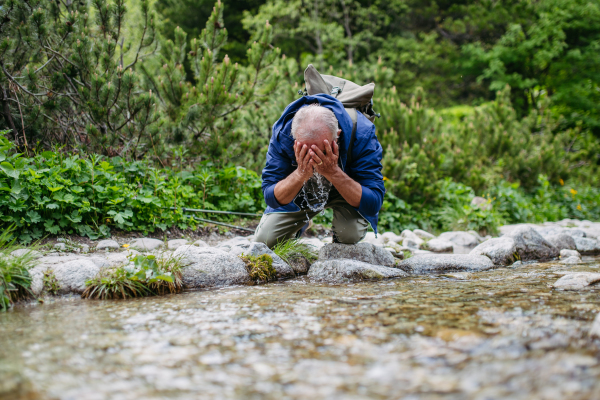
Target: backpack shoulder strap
(354,116)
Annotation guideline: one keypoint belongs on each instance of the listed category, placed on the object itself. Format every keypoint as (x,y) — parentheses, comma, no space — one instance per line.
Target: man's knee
(350,234)
(266,236)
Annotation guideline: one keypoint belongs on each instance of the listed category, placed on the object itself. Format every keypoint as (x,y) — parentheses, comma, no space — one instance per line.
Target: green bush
(52,193)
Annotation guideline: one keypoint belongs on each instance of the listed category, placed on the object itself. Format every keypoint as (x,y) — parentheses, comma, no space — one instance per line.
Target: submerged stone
(502,250)
(531,245)
(341,271)
(577,280)
(440,263)
(365,252)
(210,267)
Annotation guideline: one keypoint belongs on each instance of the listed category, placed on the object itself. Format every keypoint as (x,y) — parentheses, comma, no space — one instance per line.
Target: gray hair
(310,118)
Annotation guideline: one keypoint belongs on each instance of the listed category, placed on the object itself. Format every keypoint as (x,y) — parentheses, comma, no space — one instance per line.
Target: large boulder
(341,271)
(284,270)
(365,252)
(440,246)
(502,250)
(146,244)
(441,263)
(531,245)
(562,241)
(587,246)
(72,275)
(460,238)
(577,280)
(206,267)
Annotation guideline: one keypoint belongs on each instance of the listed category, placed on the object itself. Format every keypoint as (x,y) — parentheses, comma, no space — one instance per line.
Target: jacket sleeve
(278,167)
(366,170)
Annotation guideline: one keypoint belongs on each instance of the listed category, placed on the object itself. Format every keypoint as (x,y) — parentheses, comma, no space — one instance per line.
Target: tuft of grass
(143,276)
(292,249)
(50,282)
(15,280)
(260,267)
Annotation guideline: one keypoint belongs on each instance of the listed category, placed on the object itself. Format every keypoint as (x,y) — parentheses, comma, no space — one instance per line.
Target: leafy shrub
(260,268)
(144,276)
(15,280)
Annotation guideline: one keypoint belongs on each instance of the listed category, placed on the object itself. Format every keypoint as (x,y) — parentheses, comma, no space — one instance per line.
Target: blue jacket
(364,169)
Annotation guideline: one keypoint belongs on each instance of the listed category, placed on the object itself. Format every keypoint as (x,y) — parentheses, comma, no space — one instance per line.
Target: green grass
(15,280)
(144,276)
(291,249)
(260,268)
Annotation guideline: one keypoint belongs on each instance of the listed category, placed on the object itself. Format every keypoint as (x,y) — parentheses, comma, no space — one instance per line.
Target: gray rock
(480,239)
(564,253)
(72,275)
(176,243)
(460,238)
(410,243)
(587,246)
(370,238)
(441,263)
(577,280)
(85,248)
(440,246)
(107,244)
(531,245)
(228,244)
(575,232)
(146,244)
(34,254)
(37,278)
(365,252)
(391,237)
(595,328)
(341,271)
(300,265)
(481,202)
(316,244)
(395,253)
(200,243)
(206,267)
(502,250)
(407,234)
(592,232)
(284,270)
(570,260)
(60,246)
(561,241)
(423,234)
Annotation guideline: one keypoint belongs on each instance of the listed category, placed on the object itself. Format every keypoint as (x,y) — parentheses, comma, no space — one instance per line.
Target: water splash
(315,193)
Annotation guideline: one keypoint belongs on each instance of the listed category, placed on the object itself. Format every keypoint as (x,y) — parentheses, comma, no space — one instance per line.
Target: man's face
(324,134)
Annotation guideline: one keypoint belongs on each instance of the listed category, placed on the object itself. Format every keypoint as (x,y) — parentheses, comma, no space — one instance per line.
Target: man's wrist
(337,176)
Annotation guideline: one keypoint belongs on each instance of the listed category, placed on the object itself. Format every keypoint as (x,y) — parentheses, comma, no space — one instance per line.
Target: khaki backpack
(352,96)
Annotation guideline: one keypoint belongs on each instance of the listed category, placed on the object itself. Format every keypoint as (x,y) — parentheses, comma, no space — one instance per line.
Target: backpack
(353,97)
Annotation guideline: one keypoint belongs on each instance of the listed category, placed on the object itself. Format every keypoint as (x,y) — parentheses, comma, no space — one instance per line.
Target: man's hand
(304,160)
(326,163)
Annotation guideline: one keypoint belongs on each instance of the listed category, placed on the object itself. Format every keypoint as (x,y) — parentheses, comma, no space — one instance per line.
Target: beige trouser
(348,225)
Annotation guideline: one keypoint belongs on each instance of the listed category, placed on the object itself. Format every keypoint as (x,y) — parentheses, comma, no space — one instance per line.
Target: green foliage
(292,249)
(51,284)
(260,268)
(15,280)
(51,193)
(143,276)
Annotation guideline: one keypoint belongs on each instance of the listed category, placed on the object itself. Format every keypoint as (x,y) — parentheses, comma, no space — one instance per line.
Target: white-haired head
(310,121)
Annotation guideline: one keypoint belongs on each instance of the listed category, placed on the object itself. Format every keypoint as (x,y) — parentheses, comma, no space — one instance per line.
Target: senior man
(307,170)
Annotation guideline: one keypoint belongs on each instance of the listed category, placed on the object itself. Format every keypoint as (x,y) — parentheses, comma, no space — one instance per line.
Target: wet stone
(531,245)
(210,267)
(570,260)
(501,250)
(577,280)
(440,263)
(364,252)
(284,270)
(564,253)
(341,271)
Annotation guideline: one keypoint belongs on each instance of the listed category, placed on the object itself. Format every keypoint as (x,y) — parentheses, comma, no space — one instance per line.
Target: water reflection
(497,334)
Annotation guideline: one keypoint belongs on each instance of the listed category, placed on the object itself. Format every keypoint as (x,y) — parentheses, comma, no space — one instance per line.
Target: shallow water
(501,334)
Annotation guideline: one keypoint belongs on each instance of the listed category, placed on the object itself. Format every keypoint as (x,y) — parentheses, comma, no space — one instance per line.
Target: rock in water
(210,267)
(341,271)
(502,250)
(365,252)
(460,238)
(564,253)
(176,243)
(531,245)
(146,244)
(587,246)
(595,329)
(440,246)
(440,263)
(561,241)
(107,244)
(284,270)
(570,260)
(423,234)
(577,280)
(72,275)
